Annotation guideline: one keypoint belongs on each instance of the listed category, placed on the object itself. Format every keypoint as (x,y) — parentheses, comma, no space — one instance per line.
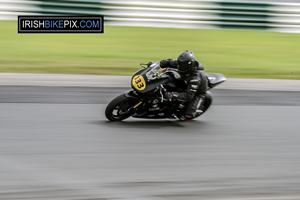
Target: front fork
(131,94)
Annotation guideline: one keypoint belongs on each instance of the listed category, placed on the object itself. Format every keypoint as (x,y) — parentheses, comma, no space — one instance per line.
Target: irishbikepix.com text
(60,24)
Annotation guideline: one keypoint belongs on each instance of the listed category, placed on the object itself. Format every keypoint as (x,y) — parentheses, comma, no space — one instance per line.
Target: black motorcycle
(146,99)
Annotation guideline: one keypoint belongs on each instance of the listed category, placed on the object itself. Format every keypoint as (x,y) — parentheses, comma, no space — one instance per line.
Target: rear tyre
(117,109)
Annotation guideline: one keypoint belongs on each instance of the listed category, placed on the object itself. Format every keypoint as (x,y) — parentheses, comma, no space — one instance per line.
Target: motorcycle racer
(193,81)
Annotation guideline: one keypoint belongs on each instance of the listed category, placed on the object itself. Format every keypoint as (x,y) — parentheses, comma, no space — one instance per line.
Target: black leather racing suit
(194,82)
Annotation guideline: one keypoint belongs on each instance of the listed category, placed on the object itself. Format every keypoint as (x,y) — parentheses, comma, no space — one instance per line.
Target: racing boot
(193,107)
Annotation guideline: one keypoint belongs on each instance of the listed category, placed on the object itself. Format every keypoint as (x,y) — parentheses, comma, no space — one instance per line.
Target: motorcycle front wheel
(117,109)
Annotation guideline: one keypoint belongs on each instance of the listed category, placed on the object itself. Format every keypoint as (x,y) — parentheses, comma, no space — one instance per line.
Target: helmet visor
(185,66)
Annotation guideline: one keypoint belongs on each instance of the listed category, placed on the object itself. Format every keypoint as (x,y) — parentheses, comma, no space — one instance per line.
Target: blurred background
(247,39)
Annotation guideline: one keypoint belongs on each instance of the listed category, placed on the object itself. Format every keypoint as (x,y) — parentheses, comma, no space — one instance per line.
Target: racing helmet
(186,61)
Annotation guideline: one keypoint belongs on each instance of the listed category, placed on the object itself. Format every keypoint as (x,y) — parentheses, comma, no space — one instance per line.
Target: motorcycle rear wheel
(117,109)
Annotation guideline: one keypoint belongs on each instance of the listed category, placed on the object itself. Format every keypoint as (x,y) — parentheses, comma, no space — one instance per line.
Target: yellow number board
(139,82)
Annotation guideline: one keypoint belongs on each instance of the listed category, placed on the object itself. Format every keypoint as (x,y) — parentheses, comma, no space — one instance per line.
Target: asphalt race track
(56,144)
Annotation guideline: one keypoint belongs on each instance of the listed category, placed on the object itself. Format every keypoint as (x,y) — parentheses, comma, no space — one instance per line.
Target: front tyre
(117,109)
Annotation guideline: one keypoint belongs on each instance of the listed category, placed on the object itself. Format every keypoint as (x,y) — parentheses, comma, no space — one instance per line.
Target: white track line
(17,79)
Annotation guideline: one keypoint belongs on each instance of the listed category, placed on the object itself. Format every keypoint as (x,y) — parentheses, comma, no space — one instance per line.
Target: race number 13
(139,82)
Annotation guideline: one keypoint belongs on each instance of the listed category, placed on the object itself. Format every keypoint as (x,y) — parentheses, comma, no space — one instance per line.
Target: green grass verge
(235,53)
